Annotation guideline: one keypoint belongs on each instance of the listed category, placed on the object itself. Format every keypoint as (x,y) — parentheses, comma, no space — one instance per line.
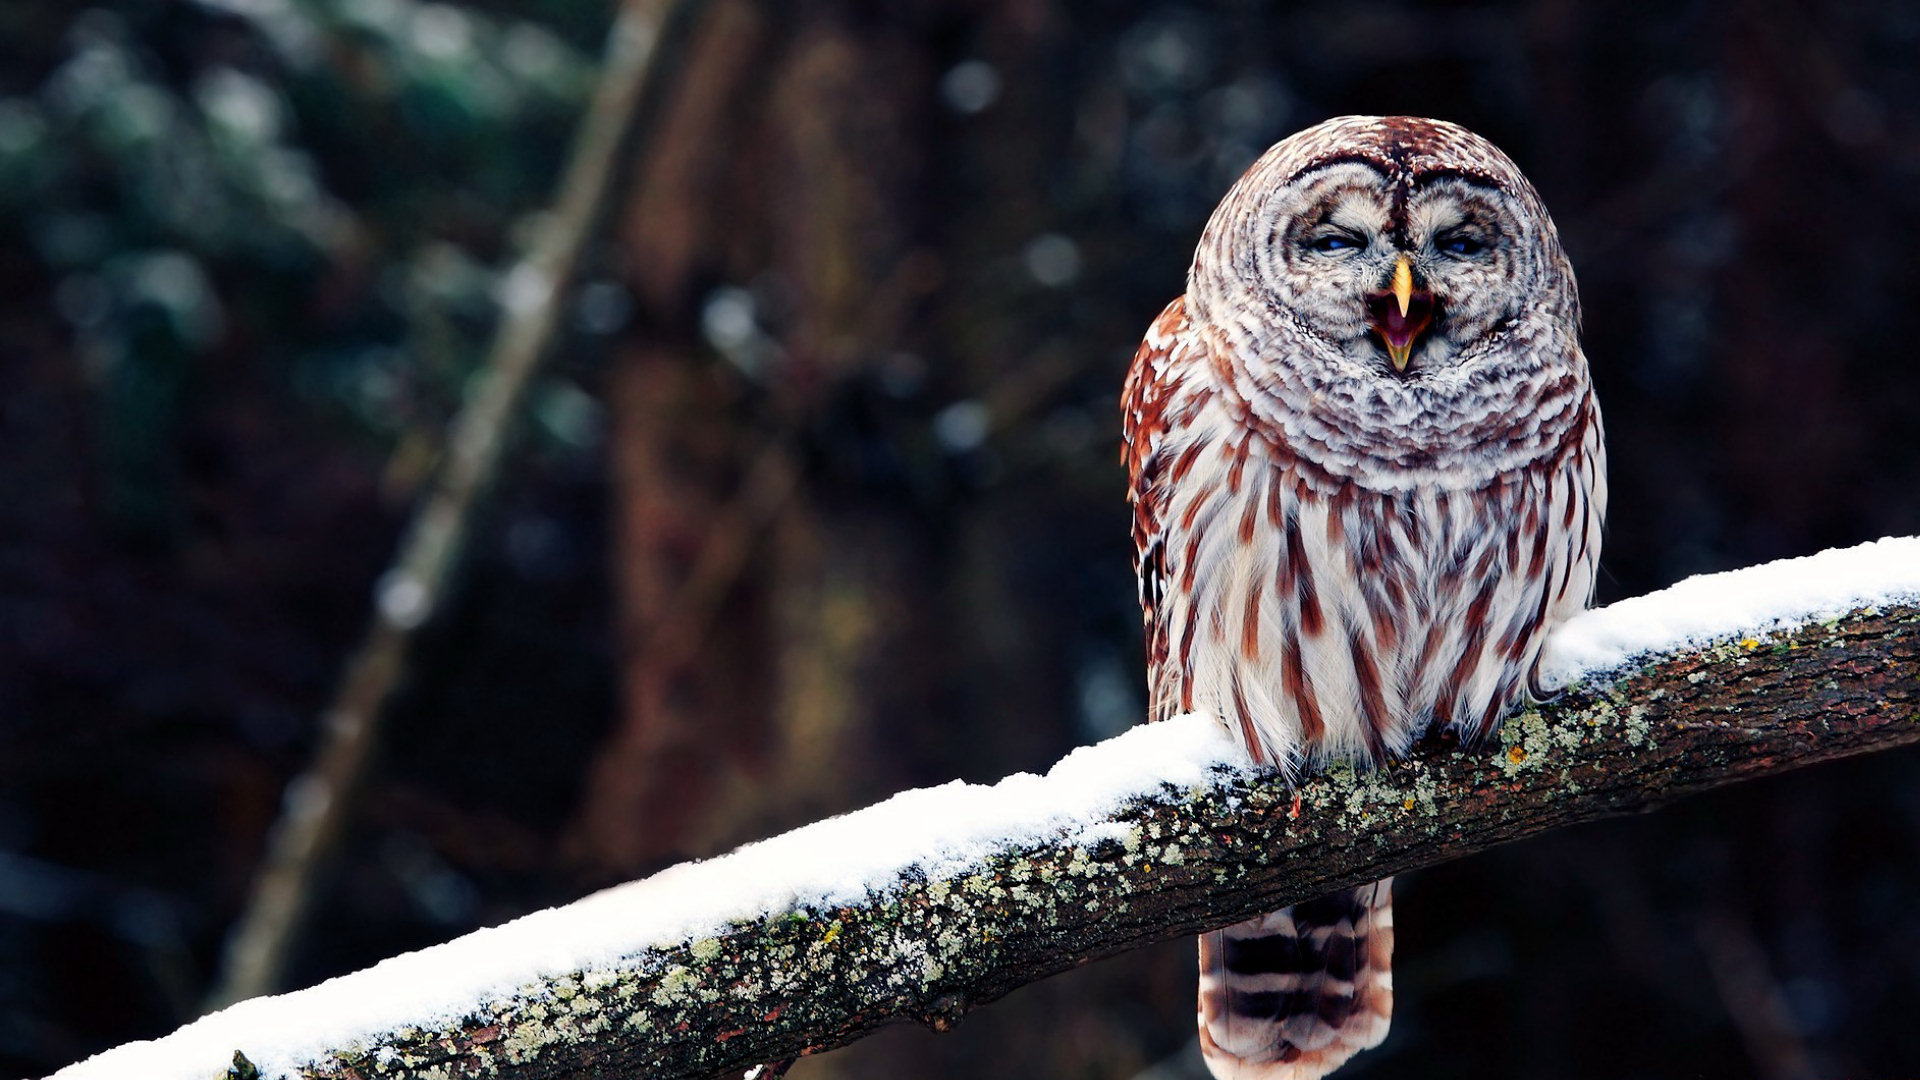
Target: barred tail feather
(1294,994)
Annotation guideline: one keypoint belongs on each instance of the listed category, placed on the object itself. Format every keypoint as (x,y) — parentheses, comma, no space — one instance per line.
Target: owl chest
(1340,622)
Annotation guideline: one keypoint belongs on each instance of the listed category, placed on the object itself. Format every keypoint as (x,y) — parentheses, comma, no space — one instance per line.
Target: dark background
(895,257)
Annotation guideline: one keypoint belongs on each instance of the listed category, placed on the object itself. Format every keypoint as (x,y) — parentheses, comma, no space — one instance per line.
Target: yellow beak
(1401,313)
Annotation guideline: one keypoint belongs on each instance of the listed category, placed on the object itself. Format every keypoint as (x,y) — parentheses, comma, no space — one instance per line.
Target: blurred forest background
(818,496)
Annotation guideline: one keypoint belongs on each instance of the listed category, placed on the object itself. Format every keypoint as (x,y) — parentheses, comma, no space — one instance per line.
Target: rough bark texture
(930,950)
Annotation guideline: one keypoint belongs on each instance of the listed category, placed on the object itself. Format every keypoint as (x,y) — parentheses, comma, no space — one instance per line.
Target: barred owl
(1367,478)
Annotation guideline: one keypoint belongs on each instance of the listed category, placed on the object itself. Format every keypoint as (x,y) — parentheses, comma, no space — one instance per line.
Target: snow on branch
(938,900)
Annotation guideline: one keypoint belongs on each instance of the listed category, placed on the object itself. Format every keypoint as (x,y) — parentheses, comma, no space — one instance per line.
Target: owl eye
(1334,243)
(1461,245)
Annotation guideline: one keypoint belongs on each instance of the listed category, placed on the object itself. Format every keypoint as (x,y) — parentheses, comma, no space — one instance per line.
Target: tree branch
(939,937)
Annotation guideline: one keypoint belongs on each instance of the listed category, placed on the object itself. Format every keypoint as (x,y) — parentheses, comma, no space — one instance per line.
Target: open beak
(1401,313)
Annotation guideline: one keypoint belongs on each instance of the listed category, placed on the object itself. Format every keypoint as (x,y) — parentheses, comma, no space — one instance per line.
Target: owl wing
(1574,498)
(1144,404)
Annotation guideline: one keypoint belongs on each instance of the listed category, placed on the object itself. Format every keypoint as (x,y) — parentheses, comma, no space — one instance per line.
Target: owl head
(1385,250)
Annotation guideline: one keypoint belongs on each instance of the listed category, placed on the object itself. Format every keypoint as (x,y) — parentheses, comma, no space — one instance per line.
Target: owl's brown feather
(1335,553)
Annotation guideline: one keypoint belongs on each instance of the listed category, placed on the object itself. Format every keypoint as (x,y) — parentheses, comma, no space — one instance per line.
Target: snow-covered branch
(941,899)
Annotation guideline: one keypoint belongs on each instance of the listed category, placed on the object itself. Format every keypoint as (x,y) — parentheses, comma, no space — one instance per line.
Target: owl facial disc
(1400,313)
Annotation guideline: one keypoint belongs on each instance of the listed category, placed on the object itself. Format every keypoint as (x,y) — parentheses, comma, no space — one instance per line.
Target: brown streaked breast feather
(1306,594)
(1299,688)
(1373,700)
(1250,621)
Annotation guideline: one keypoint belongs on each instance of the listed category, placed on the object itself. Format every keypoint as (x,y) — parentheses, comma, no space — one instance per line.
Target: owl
(1368,478)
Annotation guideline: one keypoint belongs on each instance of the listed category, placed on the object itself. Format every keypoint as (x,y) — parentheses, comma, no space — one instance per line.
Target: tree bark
(931,948)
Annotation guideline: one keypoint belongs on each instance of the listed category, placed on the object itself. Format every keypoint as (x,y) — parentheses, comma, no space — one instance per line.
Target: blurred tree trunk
(820,592)
(673,460)
(1784,373)
(762,633)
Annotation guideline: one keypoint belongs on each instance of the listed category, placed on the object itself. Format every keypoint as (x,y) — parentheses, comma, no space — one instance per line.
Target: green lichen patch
(675,986)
